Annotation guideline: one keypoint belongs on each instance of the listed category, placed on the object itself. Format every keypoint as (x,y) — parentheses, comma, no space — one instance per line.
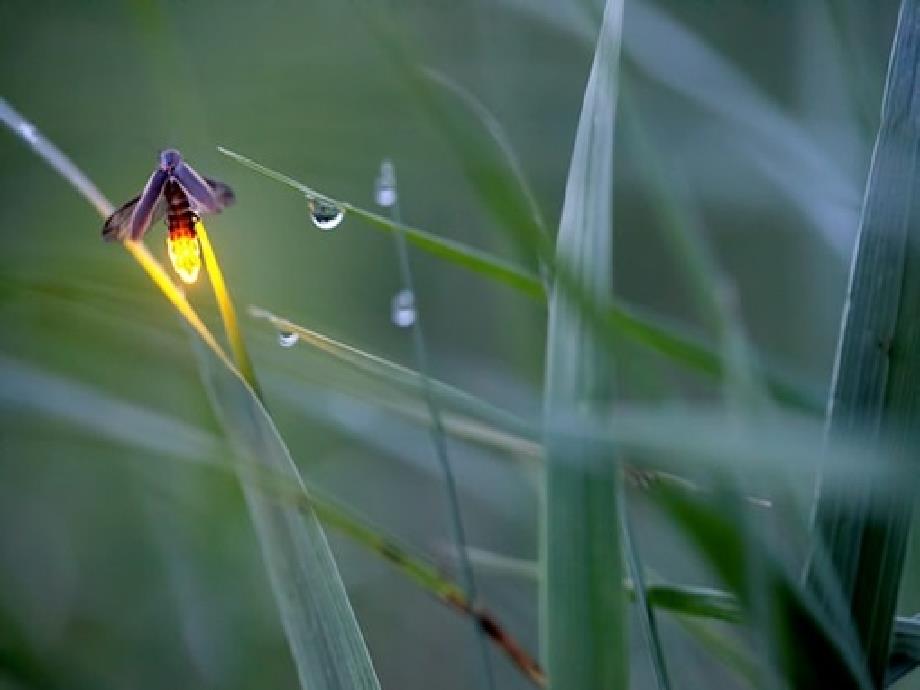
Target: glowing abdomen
(183,247)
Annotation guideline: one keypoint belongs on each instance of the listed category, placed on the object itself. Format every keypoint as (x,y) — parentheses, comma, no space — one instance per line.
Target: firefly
(178,193)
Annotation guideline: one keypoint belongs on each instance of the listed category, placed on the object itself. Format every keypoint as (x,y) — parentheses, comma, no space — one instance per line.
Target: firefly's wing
(224,195)
(199,194)
(146,204)
(118,226)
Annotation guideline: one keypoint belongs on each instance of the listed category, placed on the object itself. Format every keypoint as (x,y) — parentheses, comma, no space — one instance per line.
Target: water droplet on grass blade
(385,184)
(325,215)
(403,308)
(287,338)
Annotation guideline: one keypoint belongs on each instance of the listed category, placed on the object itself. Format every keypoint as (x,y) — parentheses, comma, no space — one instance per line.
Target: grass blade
(501,142)
(439,440)
(455,252)
(123,422)
(325,640)
(647,620)
(811,652)
(386,370)
(326,643)
(877,378)
(582,603)
(905,651)
(610,317)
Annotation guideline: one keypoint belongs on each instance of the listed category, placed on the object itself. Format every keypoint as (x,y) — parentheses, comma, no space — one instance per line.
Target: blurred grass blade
(486,161)
(494,172)
(429,578)
(583,609)
(876,383)
(812,652)
(647,622)
(502,144)
(905,652)
(27,387)
(53,157)
(725,646)
(385,370)
(455,252)
(439,440)
(782,148)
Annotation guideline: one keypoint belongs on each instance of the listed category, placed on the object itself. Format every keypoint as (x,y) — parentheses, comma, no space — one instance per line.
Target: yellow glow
(227,310)
(185,255)
(162,280)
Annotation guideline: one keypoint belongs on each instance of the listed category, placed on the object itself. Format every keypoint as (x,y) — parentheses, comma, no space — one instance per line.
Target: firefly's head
(169,159)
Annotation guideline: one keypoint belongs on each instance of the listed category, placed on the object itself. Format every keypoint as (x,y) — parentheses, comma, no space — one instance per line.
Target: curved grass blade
(500,139)
(583,609)
(327,645)
(325,640)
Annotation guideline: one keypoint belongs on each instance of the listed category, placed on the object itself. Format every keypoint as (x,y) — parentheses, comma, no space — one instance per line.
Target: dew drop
(403,308)
(287,339)
(325,216)
(385,185)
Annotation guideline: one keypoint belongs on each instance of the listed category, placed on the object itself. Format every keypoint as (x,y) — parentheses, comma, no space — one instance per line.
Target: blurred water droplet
(287,339)
(28,132)
(403,308)
(325,216)
(385,184)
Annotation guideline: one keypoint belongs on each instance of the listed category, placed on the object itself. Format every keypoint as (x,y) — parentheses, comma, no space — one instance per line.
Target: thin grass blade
(462,255)
(391,372)
(647,622)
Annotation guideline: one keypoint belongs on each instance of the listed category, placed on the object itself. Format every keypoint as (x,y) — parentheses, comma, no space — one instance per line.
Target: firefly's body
(177,192)
(182,241)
